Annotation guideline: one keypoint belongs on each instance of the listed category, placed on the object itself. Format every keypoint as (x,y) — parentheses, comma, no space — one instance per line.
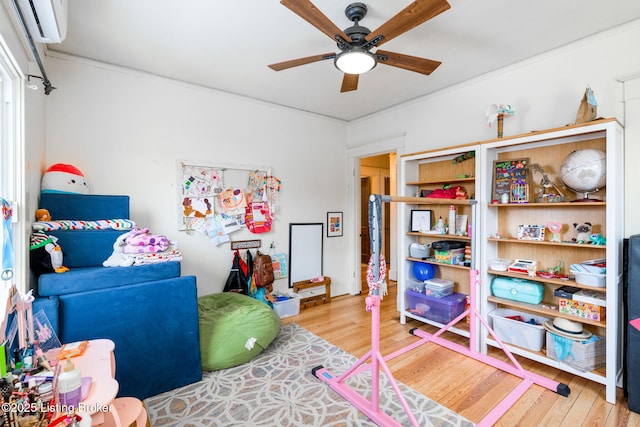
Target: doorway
(376,174)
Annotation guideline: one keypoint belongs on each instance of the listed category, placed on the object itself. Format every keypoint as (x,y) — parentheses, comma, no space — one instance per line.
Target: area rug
(277,388)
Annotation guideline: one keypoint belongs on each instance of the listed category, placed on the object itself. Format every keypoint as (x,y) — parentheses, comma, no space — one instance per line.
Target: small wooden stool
(126,412)
(316,298)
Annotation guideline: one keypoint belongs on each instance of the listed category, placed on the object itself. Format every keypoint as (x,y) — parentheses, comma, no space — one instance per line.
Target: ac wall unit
(46,20)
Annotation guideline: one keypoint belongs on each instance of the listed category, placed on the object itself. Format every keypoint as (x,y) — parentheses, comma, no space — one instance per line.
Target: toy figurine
(598,239)
(548,191)
(584,232)
(554,228)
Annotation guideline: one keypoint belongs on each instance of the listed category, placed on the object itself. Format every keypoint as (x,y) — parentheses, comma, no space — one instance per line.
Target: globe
(422,271)
(584,171)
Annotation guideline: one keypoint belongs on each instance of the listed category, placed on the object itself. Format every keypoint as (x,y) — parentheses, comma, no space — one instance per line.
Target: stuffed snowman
(63,178)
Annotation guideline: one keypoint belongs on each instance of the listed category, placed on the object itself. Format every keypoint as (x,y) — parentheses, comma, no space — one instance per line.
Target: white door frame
(393,144)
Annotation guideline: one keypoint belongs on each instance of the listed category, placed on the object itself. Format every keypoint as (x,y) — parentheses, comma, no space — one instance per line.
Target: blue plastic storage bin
(517,290)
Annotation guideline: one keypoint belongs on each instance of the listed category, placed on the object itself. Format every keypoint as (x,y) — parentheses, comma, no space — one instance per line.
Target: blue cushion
(86,248)
(89,207)
(154,327)
(94,278)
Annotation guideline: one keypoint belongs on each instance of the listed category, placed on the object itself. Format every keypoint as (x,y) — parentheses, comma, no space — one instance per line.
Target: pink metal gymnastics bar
(371,408)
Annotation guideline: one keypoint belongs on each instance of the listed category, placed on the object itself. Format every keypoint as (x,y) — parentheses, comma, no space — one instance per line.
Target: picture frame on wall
(334,224)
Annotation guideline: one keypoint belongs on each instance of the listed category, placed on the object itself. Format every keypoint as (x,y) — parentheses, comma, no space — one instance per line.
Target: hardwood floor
(465,386)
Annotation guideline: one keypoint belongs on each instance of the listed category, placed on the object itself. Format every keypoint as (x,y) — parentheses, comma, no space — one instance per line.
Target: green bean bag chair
(234,328)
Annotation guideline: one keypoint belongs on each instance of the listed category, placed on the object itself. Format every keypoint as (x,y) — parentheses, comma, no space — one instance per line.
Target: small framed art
(334,224)
(531,232)
(507,173)
(420,220)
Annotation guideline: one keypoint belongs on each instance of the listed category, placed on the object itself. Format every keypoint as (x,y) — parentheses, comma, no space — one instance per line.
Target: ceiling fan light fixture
(355,61)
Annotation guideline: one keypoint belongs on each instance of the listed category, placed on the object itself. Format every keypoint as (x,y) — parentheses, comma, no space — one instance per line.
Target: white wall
(545,90)
(126,131)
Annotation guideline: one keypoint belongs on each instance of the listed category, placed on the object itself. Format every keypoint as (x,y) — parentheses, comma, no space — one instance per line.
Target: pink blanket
(140,241)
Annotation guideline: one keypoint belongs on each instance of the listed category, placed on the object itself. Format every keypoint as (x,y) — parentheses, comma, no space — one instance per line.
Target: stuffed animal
(43,215)
(598,239)
(118,258)
(584,232)
(63,178)
(45,255)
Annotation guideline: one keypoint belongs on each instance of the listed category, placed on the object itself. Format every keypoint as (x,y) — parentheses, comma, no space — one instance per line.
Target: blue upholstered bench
(149,311)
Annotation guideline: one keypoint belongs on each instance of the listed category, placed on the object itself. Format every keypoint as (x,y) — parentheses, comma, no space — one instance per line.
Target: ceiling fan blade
(411,63)
(411,16)
(349,82)
(301,61)
(307,11)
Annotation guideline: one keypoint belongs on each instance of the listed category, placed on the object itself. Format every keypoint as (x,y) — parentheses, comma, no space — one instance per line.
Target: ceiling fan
(355,43)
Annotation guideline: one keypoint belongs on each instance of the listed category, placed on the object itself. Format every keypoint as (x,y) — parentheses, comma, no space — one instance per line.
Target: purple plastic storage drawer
(441,310)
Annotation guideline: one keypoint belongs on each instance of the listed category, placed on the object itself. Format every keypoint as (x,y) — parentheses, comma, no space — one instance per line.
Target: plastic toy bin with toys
(441,310)
(591,273)
(287,305)
(518,328)
(438,288)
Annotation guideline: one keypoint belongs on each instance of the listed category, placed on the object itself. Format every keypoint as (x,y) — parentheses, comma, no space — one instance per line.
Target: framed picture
(531,232)
(508,173)
(334,224)
(420,220)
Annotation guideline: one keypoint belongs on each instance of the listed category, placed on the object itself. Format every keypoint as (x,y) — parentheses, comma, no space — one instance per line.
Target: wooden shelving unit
(436,168)
(429,171)
(549,149)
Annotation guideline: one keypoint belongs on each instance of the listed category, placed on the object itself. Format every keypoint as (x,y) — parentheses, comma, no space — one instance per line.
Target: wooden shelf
(443,181)
(434,262)
(559,282)
(439,236)
(547,205)
(545,311)
(547,243)
(434,201)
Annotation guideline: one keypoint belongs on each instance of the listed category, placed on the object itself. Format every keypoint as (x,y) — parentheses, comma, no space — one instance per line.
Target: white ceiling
(227,45)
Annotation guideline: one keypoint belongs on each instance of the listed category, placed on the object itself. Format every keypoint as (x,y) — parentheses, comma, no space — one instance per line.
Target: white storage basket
(418,250)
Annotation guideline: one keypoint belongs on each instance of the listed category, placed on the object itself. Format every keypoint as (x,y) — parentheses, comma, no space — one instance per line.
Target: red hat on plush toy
(63,178)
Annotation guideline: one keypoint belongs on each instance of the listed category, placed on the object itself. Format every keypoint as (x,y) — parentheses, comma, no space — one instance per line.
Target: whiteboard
(305,251)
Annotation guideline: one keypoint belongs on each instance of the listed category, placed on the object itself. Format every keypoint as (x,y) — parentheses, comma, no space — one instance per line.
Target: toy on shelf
(598,239)
(548,191)
(584,232)
(497,112)
(43,215)
(554,228)
(519,193)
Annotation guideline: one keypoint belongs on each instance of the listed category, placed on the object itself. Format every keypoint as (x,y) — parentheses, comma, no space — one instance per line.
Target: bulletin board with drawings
(219,199)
